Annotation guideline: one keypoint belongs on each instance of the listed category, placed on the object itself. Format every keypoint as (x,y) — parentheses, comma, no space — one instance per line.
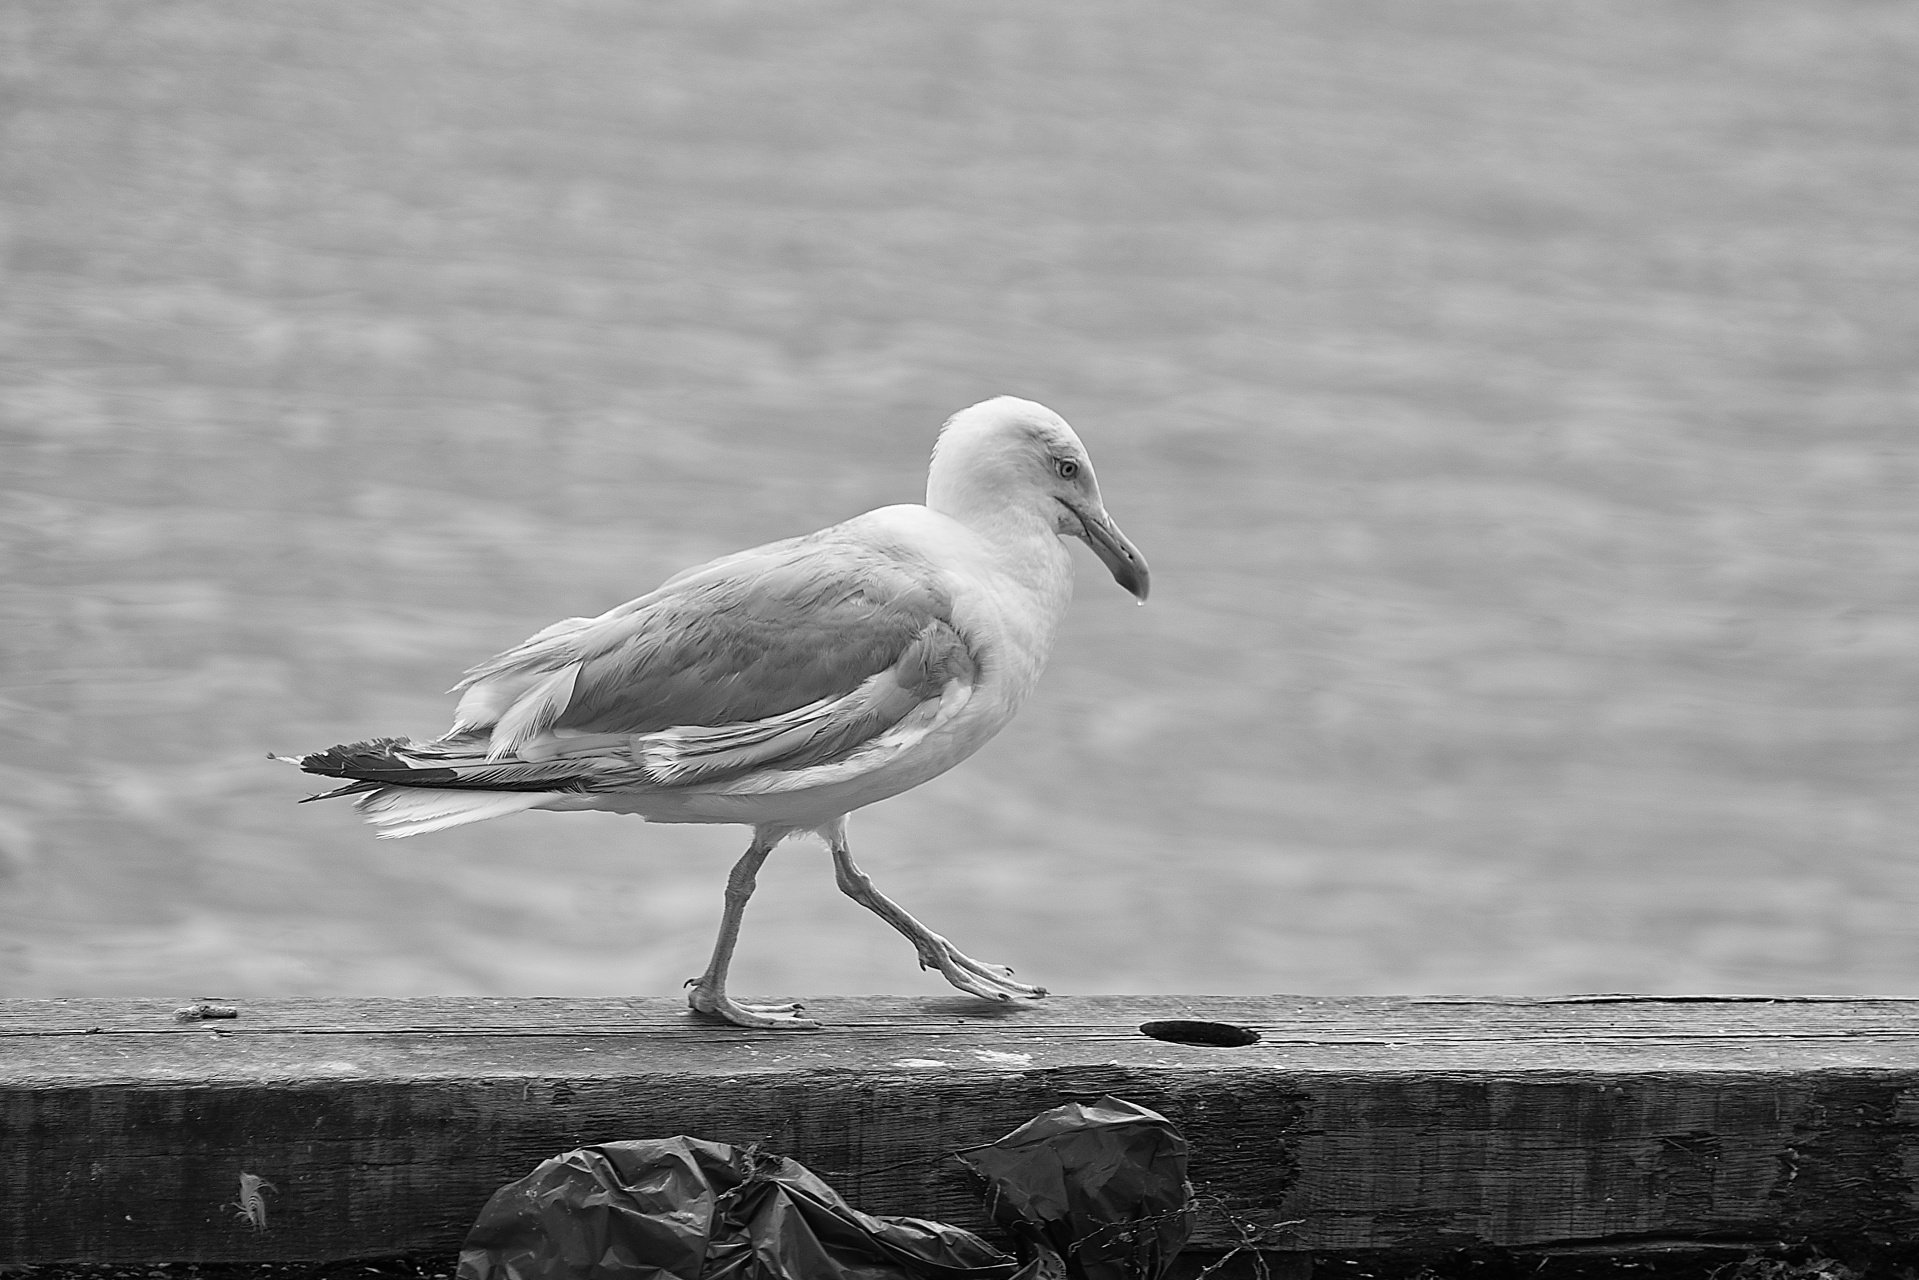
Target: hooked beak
(1114,549)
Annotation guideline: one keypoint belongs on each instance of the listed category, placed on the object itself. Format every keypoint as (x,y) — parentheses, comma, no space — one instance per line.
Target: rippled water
(1516,403)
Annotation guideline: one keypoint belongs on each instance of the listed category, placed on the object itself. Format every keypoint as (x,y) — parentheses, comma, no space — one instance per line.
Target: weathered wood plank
(1352,1124)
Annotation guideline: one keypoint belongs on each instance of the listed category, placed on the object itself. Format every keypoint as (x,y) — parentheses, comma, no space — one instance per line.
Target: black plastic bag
(1094,1189)
(1102,1189)
(683,1209)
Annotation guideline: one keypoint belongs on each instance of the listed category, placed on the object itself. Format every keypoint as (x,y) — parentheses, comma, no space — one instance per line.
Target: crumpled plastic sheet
(1100,1191)
(1096,1192)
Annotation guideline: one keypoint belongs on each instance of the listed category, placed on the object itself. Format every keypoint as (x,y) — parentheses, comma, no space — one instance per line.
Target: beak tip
(1121,558)
(1130,572)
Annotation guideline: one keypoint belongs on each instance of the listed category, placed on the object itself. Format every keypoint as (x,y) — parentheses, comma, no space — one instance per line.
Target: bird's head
(1010,457)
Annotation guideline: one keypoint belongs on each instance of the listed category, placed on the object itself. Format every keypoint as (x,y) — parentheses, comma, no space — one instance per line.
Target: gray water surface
(1516,402)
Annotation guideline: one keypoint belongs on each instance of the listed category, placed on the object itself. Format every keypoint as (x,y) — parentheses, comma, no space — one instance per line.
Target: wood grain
(1353,1124)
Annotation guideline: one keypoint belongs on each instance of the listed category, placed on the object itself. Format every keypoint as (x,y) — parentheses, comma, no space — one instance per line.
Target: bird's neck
(1028,583)
(1004,524)
(1024,543)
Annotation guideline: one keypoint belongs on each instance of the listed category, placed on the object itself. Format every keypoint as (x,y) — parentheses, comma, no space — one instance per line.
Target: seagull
(785,686)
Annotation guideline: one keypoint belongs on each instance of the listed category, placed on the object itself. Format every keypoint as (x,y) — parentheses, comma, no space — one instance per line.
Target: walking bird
(784,686)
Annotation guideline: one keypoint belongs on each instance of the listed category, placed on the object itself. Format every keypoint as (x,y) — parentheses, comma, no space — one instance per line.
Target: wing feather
(922,679)
(747,637)
(535,711)
(820,731)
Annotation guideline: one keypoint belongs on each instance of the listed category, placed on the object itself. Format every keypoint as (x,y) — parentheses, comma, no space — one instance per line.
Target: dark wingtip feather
(389,762)
(375,763)
(335,761)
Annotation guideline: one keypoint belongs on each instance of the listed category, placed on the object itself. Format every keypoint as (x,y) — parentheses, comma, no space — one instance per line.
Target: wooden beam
(1353,1124)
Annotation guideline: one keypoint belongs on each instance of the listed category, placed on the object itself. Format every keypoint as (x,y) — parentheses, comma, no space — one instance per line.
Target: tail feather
(412,811)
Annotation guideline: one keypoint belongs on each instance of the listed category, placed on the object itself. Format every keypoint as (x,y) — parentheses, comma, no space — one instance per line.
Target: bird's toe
(987,981)
(717,1004)
(986,988)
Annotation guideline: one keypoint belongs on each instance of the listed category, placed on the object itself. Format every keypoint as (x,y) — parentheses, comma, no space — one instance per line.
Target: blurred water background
(1516,402)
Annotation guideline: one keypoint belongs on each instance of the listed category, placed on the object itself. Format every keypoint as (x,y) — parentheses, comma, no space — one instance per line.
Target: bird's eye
(1066,467)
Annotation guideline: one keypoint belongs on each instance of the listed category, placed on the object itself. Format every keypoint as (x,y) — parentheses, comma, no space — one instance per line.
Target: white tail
(412,811)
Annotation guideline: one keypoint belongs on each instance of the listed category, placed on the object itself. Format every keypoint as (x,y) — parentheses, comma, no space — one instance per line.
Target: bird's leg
(987,981)
(708,991)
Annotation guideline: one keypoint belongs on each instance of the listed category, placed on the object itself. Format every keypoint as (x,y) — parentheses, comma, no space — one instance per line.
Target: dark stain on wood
(1683,1169)
(1848,1166)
